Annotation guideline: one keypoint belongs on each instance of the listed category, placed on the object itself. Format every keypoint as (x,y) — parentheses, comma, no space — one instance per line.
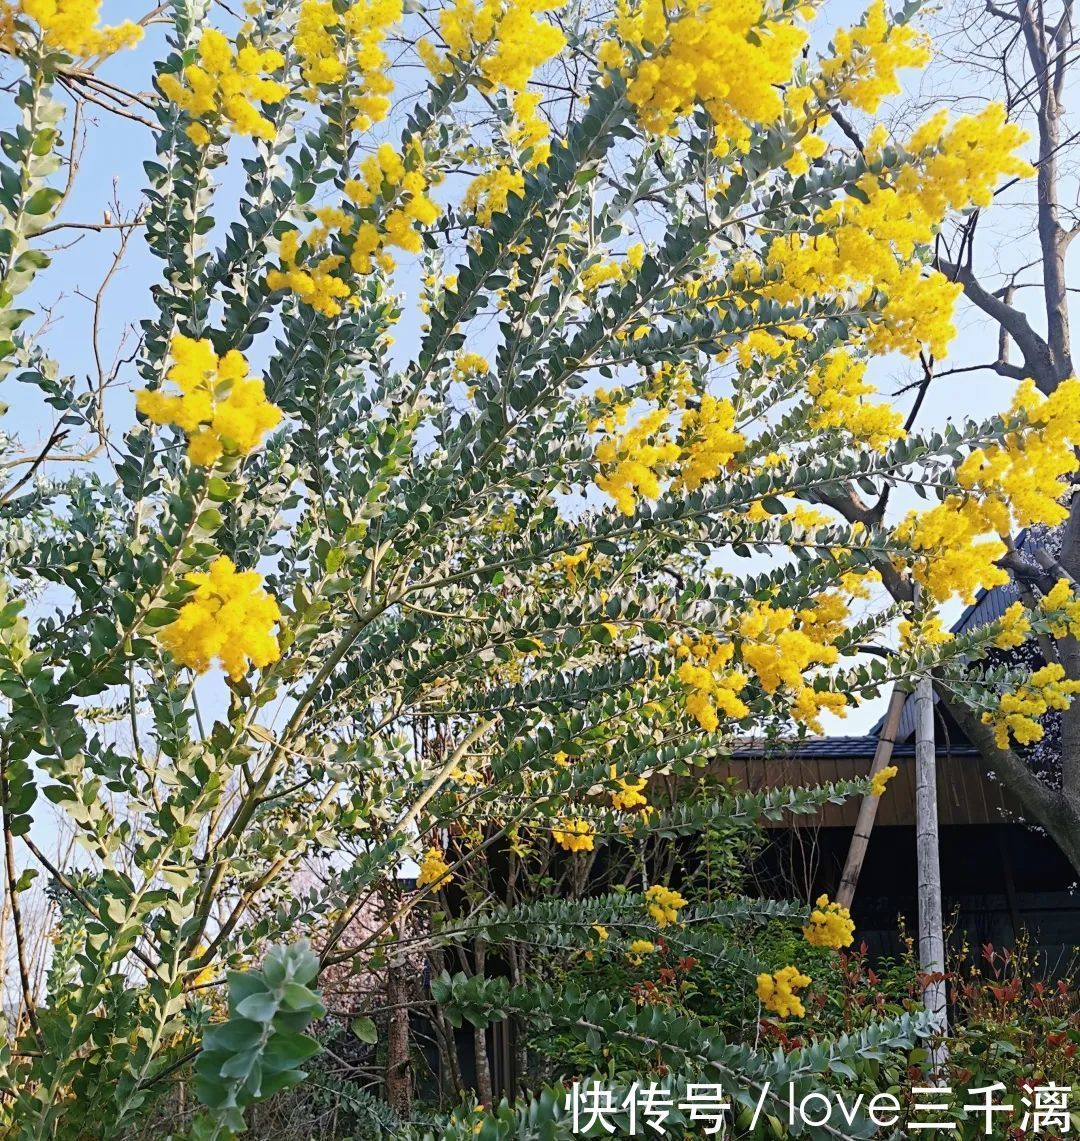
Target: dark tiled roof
(834,748)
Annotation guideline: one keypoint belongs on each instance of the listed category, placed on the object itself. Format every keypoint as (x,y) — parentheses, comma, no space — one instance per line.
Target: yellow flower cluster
(600,274)
(927,631)
(391,202)
(489,193)
(574,835)
(870,242)
(779,646)
(433,868)
(71,26)
(663,905)
(637,460)
(1015,484)
(830,925)
(810,703)
(837,385)
(777,991)
(337,47)
(222,409)
(707,441)
(529,131)
(1024,475)
(1014,626)
(880,780)
(962,162)
(1016,713)
(867,58)
(468,365)
(645,453)
(1064,605)
(640,947)
(630,793)
(571,565)
(728,56)
(229,618)
(507,42)
(400,184)
(314,281)
(506,35)
(809,147)
(713,688)
(224,87)
(956,554)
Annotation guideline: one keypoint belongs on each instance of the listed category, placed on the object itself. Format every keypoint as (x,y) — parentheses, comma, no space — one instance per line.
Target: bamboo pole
(864,825)
(931,922)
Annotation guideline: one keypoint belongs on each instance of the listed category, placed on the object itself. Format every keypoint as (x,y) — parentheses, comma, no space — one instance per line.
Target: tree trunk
(483,1063)
(398,1071)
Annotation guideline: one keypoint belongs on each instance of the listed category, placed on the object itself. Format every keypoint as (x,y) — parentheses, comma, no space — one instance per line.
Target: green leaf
(42,201)
(160,616)
(365,1030)
(258,1007)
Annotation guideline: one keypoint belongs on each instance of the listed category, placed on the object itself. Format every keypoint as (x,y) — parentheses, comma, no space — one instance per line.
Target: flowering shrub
(455,579)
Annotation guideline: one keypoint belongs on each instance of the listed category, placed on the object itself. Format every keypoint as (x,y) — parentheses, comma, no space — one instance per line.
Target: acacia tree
(545,350)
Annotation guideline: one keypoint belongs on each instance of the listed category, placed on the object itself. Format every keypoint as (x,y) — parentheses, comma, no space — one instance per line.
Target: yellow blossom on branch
(1060,602)
(433,868)
(71,26)
(869,243)
(880,780)
(505,35)
(830,924)
(927,631)
(707,441)
(1017,713)
(713,688)
(630,793)
(347,48)
(867,58)
(838,388)
(230,619)
(637,461)
(780,649)
(1014,627)
(574,835)
(729,58)
(663,905)
(777,991)
(222,89)
(386,205)
(223,410)
(1005,486)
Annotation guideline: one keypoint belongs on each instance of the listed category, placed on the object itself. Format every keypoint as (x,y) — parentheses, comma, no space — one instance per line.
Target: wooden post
(931,923)
(864,825)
